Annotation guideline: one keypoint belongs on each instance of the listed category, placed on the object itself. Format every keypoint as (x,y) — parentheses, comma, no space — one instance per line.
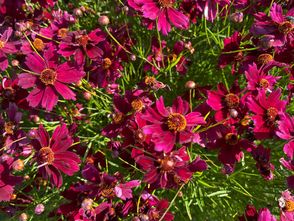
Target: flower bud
(39,209)
(87,96)
(237,17)
(32,134)
(103,20)
(190,85)
(14,63)
(233,113)
(23,217)
(87,204)
(18,165)
(78,12)
(133,57)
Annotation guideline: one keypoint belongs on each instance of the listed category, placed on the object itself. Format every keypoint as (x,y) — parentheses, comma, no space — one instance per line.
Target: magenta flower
(80,44)
(209,7)
(224,102)
(168,170)
(286,204)
(169,125)
(48,79)
(6,48)
(7,181)
(286,132)
(277,26)
(163,11)
(53,156)
(257,79)
(266,110)
(265,215)
(262,157)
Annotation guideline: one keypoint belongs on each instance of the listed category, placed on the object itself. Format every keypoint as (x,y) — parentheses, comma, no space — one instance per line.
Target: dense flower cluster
(96,117)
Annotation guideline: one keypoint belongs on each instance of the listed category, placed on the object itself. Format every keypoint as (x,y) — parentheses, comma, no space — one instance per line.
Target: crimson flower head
(6,48)
(163,11)
(257,79)
(266,110)
(277,26)
(169,125)
(225,102)
(52,154)
(48,79)
(168,170)
(7,181)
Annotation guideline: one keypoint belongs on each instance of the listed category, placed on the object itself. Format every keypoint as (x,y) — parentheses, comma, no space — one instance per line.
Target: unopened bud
(87,96)
(18,165)
(78,12)
(190,85)
(23,217)
(87,204)
(237,17)
(14,63)
(233,113)
(133,57)
(39,209)
(103,20)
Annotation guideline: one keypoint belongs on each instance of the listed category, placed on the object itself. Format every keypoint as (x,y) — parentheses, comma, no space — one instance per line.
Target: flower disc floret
(264,59)
(176,122)
(48,76)
(271,113)
(167,164)
(289,205)
(106,63)
(264,83)
(166,3)
(231,138)
(46,155)
(285,27)
(232,100)
(137,105)
(2,44)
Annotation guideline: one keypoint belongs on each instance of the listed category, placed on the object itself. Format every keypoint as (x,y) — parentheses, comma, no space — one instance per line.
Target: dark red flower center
(137,105)
(62,33)
(117,117)
(239,56)
(232,100)
(167,164)
(106,63)
(272,113)
(285,27)
(48,76)
(176,122)
(154,215)
(264,83)
(264,59)
(46,155)
(166,3)
(2,44)
(9,127)
(139,135)
(83,40)
(39,44)
(231,138)
(289,206)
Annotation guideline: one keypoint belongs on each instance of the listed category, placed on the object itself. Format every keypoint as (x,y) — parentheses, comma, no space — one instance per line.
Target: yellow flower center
(39,44)
(137,105)
(2,44)
(264,59)
(166,3)
(9,127)
(149,80)
(62,33)
(286,27)
(117,117)
(272,113)
(48,76)
(176,122)
(264,83)
(46,155)
(289,206)
(83,40)
(106,63)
